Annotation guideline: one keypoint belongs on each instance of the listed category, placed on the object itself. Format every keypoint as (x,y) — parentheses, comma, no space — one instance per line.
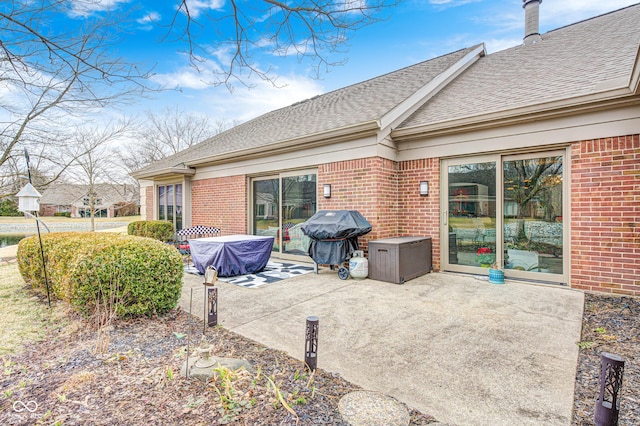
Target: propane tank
(359,265)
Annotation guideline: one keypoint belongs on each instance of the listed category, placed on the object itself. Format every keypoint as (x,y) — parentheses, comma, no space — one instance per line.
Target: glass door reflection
(472,214)
(266,201)
(533,229)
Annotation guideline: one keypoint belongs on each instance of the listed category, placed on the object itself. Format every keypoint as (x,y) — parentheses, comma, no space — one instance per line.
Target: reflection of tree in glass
(526,180)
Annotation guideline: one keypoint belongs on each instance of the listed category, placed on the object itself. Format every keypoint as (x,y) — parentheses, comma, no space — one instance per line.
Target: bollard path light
(311,343)
(608,403)
(210,297)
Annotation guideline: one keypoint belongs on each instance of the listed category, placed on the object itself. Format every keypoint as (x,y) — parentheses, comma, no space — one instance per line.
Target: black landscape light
(608,403)
(311,343)
(210,297)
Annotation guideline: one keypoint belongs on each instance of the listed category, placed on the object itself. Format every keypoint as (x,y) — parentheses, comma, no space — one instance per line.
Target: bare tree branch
(314,30)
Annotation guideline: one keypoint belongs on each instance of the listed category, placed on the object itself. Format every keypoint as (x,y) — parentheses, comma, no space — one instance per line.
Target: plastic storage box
(399,259)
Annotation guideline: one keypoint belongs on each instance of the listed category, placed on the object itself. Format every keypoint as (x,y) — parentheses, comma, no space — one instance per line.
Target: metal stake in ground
(311,343)
(608,403)
(28,201)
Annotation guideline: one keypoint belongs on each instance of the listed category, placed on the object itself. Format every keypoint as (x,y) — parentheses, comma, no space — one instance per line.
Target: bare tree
(49,76)
(528,179)
(52,76)
(314,30)
(163,134)
(92,154)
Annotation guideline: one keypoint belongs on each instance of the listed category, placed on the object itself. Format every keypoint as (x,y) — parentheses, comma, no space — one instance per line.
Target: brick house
(531,156)
(110,200)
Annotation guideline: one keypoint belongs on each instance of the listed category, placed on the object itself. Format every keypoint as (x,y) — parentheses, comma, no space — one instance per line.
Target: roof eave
(554,109)
(166,172)
(368,128)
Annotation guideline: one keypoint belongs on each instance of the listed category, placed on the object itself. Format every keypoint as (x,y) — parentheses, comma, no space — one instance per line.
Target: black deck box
(399,259)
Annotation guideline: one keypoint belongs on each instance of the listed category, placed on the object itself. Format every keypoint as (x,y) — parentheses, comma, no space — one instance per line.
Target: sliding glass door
(505,211)
(280,204)
(470,214)
(533,205)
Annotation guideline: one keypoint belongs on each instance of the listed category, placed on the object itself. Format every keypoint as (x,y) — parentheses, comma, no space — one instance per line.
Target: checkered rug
(273,272)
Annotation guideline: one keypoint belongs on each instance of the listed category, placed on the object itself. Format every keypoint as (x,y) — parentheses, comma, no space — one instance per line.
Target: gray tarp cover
(232,255)
(345,226)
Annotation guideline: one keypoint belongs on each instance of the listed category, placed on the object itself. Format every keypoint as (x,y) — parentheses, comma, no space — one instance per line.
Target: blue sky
(413,31)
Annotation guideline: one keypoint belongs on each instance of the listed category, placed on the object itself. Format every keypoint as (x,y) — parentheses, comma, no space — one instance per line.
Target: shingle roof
(67,194)
(569,62)
(360,103)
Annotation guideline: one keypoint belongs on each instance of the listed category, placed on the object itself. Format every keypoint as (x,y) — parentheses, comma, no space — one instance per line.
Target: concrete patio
(453,346)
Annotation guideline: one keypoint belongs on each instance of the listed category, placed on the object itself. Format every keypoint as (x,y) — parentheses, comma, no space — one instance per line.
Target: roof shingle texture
(360,103)
(567,63)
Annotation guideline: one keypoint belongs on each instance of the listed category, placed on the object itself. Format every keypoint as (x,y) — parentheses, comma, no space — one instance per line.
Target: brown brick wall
(368,185)
(150,206)
(220,202)
(420,215)
(605,224)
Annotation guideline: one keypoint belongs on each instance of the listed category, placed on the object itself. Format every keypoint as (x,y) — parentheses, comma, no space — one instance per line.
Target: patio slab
(453,346)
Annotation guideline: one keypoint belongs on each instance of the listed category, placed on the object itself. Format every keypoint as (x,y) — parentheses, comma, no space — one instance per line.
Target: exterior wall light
(424,187)
(327,190)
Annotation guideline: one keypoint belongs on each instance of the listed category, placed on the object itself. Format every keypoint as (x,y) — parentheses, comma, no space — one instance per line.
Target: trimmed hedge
(157,229)
(127,274)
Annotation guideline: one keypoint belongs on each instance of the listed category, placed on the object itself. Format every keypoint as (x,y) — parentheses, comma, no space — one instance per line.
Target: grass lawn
(25,318)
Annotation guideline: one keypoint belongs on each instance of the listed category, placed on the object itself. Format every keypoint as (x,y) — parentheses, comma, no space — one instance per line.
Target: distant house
(73,200)
(529,157)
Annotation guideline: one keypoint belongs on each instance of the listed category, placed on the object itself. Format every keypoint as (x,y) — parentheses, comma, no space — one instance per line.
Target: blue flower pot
(496,276)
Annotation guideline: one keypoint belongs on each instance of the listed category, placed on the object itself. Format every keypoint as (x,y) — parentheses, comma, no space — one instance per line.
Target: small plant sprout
(599,330)
(194,403)
(169,373)
(586,345)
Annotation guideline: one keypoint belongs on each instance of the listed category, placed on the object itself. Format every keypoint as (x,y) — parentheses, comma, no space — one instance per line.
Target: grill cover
(334,234)
(335,224)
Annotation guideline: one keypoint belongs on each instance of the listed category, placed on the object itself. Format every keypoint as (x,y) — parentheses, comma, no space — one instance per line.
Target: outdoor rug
(273,272)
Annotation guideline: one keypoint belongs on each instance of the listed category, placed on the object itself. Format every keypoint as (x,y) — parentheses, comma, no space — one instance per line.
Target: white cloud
(197,6)
(246,103)
(184,78)
(148,21)
(150,17)
(84,8)
(496,44)
(554,13)
(451,3)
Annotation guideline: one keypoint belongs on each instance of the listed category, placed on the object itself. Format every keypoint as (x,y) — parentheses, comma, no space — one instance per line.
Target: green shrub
(94,272)
(157,229)
(9,207)
(62,214)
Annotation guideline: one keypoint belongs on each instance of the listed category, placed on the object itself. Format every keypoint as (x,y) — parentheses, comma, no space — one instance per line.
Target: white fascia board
(164,172)
(327,138)
(634,80)
(410,105)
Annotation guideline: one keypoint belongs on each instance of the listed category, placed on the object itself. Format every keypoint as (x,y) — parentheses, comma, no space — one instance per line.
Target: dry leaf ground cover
(610,324)
(129,373)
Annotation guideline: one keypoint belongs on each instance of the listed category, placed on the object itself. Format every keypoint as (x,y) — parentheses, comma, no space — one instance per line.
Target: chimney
(531,21)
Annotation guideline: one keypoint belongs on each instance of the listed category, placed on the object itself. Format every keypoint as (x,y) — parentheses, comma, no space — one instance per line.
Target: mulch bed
(130,374)
(137,381)
(612,325)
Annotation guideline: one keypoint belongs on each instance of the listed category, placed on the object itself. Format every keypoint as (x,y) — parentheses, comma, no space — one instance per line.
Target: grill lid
(335,224)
